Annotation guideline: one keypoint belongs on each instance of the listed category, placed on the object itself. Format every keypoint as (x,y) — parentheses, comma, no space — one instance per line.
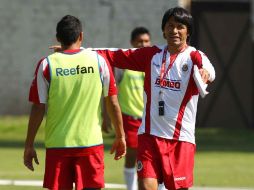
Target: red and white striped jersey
(41,82)
(179,90)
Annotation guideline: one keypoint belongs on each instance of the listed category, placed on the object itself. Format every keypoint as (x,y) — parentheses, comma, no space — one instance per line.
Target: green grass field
(225,156)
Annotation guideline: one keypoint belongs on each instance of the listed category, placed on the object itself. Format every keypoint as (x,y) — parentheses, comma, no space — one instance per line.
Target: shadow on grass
(207,140)
(215,139)
(18,144)
(229,139)
(108,141)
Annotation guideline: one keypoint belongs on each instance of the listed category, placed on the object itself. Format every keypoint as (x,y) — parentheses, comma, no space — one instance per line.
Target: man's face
(142,40)
(175,33)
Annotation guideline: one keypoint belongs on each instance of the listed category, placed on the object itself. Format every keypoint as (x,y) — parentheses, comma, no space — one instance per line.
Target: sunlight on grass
(224,169)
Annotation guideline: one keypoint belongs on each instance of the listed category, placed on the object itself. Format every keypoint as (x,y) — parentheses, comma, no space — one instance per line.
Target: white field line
(21,182)
(107,185)
(40,183)
(219,188)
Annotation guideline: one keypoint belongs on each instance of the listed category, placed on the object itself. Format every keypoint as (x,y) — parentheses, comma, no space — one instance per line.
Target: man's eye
(170,26)
(180,26)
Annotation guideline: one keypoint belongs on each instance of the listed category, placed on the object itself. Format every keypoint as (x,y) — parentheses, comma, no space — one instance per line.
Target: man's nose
(174,30)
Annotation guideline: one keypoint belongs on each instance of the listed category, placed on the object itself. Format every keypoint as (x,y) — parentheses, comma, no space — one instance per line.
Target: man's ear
(81,36)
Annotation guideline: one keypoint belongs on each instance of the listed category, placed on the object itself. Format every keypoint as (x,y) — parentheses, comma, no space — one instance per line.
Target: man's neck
(71,47)
(177,49)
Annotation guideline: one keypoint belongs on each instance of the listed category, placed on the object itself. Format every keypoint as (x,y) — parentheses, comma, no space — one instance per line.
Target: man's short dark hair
(68,30)
(181,15)
(138,31)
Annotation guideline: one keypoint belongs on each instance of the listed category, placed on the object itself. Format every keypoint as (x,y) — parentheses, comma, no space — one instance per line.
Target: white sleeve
(104,74)
(42,83)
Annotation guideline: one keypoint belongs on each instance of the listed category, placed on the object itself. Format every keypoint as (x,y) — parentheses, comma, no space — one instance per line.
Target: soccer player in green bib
(70,83)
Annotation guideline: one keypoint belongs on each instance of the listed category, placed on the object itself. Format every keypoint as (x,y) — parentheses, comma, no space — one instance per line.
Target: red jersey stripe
(190,91)
(112,83)
(196,58)
(46,73)
(147,88)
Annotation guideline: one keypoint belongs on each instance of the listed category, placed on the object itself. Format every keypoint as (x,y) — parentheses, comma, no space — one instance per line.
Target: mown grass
(225,156)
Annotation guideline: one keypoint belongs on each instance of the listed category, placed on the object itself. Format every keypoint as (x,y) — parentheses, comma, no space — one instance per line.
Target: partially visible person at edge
(70,83)
(166,138)
(131,87)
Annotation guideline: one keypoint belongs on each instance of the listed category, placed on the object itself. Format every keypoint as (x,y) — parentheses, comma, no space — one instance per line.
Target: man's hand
(35,119)
(29,156)
(119,147)
(56,48)
(204,75)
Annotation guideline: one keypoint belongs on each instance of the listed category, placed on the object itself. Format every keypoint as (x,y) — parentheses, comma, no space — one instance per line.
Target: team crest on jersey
(185,67)
(139,165)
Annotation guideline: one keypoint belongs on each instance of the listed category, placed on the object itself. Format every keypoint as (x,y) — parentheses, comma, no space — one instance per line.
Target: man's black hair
(138,31)
(180,15)
(68,30)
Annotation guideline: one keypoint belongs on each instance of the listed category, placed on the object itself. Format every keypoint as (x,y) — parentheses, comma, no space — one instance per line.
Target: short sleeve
(202,61)
(107,78)
(40,84)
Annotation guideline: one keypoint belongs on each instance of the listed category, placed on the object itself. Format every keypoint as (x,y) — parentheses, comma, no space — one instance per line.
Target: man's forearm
(36,117)
(115,115)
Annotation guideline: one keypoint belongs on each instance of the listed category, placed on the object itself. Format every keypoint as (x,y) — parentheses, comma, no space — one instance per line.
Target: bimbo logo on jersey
(169,84)
(74,71)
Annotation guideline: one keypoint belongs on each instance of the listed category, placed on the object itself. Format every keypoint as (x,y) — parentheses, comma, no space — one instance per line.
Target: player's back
(74,100)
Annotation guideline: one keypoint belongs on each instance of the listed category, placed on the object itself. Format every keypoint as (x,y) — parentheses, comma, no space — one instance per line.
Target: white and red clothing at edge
(179,90)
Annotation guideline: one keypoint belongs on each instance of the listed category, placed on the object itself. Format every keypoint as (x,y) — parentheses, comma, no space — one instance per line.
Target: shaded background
(28,29)
(222,31)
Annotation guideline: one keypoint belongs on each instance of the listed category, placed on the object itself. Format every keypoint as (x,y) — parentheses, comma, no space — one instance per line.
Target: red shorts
(169,161)
(82,166)
(131,126)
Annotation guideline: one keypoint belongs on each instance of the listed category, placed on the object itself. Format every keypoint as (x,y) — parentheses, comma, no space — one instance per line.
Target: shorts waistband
(131,117)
